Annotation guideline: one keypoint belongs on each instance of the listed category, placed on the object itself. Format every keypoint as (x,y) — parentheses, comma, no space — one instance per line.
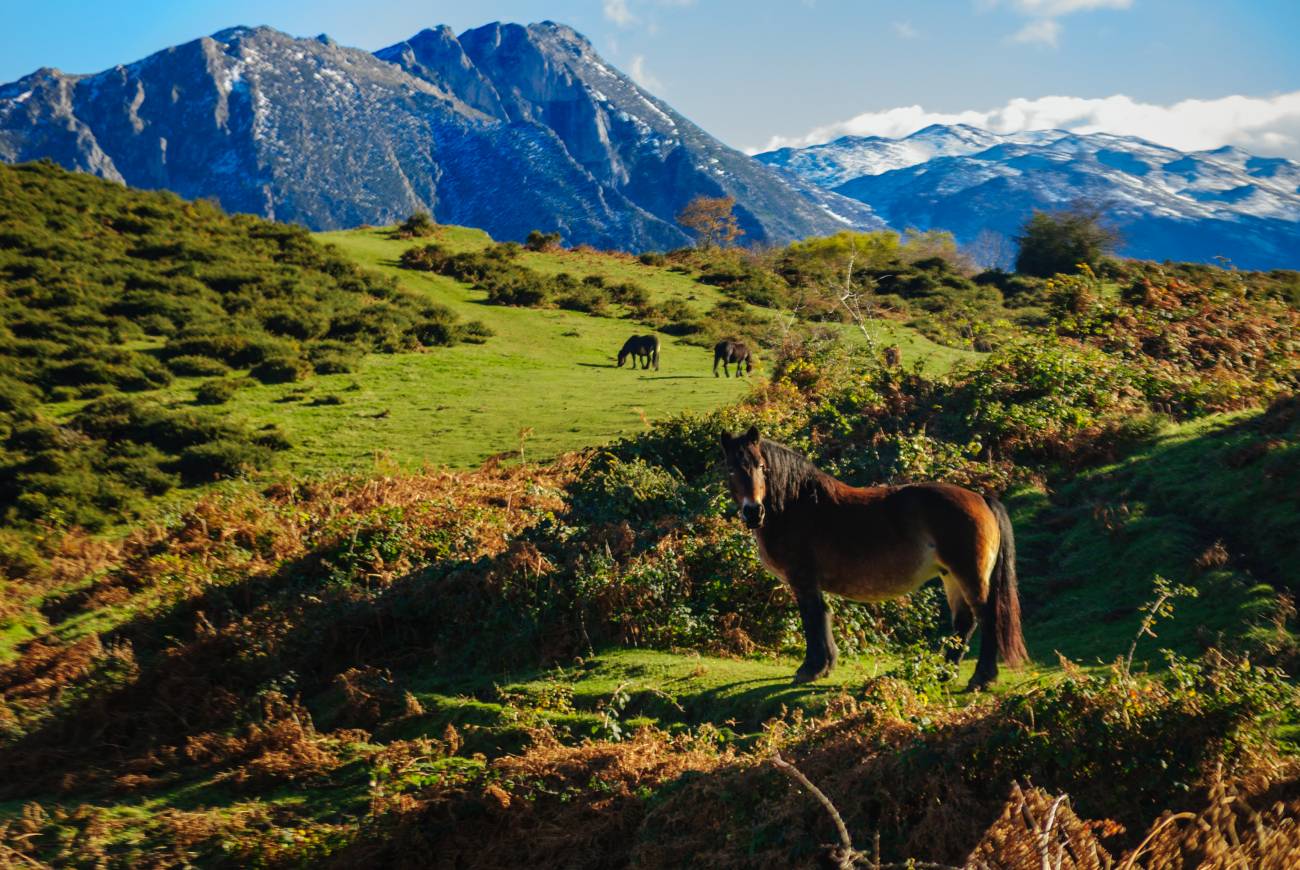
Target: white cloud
(1043,31)
(905,30)
(1055,8)
(1044,28)
(1261,125)
(636,69)
(618,12)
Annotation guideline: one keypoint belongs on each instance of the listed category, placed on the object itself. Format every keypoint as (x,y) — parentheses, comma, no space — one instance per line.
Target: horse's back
(874,543)
(941,508)
(731,351)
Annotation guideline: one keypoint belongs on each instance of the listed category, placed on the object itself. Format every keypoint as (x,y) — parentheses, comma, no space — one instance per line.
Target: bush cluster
(110,291)
(94,470)
(497,271)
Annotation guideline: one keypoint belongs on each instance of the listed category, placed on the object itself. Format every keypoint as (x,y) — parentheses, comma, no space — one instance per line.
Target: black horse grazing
(642,347)
(732,352)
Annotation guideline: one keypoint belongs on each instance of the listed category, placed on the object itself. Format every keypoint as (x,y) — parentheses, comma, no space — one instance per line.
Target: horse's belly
(879,579)
(879,576)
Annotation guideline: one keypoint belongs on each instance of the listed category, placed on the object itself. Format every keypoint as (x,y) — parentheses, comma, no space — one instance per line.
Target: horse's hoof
(978,683)
(802,675)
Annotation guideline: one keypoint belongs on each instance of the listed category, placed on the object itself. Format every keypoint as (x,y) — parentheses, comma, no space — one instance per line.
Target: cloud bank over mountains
(1269,126)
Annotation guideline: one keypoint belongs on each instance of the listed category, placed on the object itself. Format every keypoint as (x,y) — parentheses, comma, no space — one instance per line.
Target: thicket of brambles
(107,292)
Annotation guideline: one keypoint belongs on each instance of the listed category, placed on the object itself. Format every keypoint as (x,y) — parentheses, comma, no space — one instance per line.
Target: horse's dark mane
(789,476)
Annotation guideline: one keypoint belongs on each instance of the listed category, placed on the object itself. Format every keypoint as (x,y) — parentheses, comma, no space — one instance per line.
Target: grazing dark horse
(878,542)
(732,352)
(642,347)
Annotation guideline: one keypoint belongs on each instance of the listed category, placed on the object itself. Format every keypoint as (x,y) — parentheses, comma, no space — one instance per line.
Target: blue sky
(767,72)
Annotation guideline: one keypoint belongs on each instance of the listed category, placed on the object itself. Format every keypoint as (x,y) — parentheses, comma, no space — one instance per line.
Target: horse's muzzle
(752,514)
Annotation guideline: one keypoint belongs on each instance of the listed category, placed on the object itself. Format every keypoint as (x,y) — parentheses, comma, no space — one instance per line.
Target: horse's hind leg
(963,620)
(821,653)
(963,554)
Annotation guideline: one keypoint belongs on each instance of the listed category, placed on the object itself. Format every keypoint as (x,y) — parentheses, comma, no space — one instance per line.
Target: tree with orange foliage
(712,221)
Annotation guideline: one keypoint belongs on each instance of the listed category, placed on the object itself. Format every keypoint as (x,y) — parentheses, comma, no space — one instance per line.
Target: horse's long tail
(1002,591)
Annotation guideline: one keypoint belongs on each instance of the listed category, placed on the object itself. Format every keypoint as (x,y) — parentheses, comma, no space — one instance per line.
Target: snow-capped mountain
(506,127)
(1166,203)
(848,157)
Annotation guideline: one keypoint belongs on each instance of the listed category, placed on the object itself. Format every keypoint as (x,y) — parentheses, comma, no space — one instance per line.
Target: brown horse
(878,542)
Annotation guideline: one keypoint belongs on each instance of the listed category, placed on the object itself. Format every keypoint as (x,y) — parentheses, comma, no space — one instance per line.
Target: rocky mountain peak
(506,127)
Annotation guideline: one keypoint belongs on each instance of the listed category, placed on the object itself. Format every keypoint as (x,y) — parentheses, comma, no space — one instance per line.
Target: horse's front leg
(821,653)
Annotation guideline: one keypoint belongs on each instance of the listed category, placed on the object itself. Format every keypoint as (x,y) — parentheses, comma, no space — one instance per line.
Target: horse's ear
(726,440)
(752,434)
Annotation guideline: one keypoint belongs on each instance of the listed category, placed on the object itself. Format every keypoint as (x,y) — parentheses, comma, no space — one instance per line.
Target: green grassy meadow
(546,378)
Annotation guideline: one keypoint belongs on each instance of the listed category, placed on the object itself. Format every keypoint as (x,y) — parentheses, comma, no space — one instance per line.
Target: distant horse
(732,352)
(878,542)
(642,347)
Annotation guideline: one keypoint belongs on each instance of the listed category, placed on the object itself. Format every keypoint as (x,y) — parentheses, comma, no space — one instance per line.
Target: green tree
(418,224)
(1052,243)
(540,241)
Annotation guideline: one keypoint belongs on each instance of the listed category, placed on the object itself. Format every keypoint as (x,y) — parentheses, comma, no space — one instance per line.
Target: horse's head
(746,475)
(622,357)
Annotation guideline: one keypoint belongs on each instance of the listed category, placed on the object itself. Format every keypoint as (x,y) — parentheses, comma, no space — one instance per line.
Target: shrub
(216,392)
(16,397)
(281,370)
(586,298)
(418,224)
(629,294)
(475,332)
(197,366)
(218,459)
(333,357)
(139,466)
(520,291)
(540,241)
(633,490)
(272,437)
(296,323)
(427,258)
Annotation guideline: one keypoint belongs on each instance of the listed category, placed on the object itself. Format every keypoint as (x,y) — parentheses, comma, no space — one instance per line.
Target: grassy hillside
(109,296)
(578,660)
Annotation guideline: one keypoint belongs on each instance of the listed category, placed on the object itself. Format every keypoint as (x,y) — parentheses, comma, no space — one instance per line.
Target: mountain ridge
(507,128)
(1166,203)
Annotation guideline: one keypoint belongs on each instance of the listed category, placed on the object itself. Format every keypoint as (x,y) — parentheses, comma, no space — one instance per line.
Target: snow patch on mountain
(1169,204)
